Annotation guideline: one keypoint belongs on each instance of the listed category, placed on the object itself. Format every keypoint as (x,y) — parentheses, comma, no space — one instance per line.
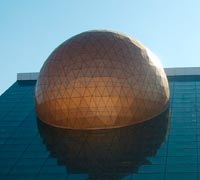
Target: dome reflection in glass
(99,80)
(106,154)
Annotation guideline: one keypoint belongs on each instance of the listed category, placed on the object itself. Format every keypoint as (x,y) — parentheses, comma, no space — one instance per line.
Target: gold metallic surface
(99,80)
(106,154)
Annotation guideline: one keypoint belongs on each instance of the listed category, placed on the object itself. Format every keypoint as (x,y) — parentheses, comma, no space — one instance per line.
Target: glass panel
(24,154)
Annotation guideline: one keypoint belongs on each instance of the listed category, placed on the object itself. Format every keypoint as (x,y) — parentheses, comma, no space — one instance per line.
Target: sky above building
(31,30)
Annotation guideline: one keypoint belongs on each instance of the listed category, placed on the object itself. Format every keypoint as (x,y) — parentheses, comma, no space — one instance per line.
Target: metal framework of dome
(99,80)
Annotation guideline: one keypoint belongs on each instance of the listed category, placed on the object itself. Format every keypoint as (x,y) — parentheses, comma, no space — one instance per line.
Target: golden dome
(99,80)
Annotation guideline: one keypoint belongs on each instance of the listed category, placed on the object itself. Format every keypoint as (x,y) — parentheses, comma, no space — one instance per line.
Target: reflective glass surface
(161,148)
(100,80)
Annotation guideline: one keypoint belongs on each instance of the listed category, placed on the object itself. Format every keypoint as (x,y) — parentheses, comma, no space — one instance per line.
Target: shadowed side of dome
(98,80)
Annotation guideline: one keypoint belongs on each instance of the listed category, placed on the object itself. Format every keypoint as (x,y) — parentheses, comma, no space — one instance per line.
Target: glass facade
(31,150)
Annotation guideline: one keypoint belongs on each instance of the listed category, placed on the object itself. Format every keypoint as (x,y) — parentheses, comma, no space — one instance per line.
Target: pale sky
(31,29)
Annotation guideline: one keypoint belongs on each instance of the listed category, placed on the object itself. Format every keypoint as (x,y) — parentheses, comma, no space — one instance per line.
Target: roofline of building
(178,71)
(182,71)
(27,76)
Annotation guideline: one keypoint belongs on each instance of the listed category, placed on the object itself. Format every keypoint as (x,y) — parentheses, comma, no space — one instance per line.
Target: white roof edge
(178,71)
(181,71)
(27,76)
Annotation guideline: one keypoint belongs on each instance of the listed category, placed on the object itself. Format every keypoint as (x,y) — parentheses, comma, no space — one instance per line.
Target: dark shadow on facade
(106,154)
